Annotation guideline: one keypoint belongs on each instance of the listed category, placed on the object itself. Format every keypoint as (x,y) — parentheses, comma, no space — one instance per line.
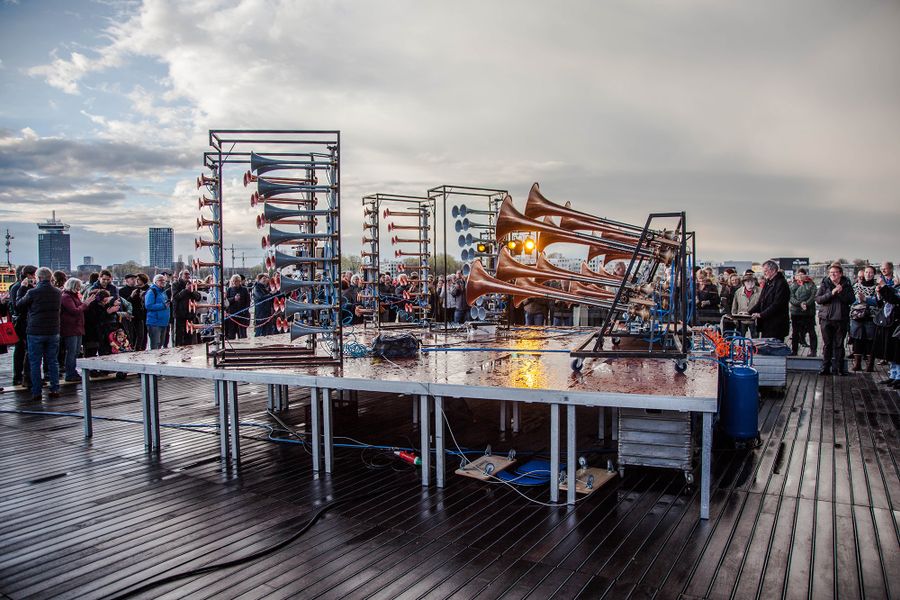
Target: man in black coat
(42,304)
(771,310)
(183,294)
(834,298)
(21,372)
(262,311)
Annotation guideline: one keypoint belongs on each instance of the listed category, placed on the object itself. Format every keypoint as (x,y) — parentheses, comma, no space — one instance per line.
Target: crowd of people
(58,318)
(863,311)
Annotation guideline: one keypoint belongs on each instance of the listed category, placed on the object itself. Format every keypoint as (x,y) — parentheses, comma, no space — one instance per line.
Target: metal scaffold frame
(315,259)
(443,196)
(423,214)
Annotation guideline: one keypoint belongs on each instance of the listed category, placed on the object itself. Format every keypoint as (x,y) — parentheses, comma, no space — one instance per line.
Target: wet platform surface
(812,513)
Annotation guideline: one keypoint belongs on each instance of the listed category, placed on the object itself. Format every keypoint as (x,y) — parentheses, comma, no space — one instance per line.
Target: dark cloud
(65,157)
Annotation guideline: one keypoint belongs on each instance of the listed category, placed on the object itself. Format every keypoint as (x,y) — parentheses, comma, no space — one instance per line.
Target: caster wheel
(689,478)
(577,364)
(616,341)
(621,472)
(681,366)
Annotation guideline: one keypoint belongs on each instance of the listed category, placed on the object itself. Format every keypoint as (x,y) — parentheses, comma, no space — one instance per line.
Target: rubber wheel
(616,341)
(681,366)
(577,363)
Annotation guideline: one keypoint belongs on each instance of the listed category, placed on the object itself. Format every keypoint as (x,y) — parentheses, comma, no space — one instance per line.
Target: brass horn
(292,307)
(480,283)
(204,180)
(538,206)
(249,178)
(276,236)
(399,213)
(194,305)
(256,199)
(401,253)
(266,188)
(300,330)
(261,222)
(400,240)
(509,220)
(261,164)
(198,327)
(280,260)
(201,243)
(273,213)
(372,226)
(204,201)
(199,264)
(394,227)
(204,222)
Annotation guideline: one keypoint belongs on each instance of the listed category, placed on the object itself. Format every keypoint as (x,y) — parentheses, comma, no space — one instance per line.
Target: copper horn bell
(510,220)
(280,260)
(204,180)
(204,222)
(481,283)
(201,243)
(204,201)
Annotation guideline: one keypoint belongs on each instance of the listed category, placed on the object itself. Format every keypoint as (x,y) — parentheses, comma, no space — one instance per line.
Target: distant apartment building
(54,250)
(162,247)
(89,265)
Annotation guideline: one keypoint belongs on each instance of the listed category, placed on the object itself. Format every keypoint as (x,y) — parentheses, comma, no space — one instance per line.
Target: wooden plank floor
(812,513)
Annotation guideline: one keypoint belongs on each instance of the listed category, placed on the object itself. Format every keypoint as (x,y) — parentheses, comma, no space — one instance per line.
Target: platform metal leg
(270,397)
(503,415)
(145,409)
(571,458)
(426,440)
(315,428)
(285,398)
(153,388)
(415,410)
(439,458)
(234,421)
(614,412)
(86,403)
(554,452)
(224,445)
(601,423)
(706,465)
(327,430)
(515,416)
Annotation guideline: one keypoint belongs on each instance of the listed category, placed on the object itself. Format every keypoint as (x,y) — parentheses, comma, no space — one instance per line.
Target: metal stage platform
(528,365)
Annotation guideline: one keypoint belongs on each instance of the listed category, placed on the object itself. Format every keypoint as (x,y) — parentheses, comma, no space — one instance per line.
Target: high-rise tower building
(53,245)
(162,247)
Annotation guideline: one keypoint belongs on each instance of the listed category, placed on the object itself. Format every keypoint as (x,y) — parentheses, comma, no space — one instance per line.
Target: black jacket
(773,306)
(181,298)
(238,298)
(834,307)
(42,304)
(263,300)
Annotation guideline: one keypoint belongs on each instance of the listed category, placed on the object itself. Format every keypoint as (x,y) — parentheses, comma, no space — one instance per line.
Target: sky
(773,124)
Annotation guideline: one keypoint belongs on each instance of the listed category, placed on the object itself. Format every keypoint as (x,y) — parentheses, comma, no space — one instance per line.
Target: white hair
(159,277)
(72,284)
(44,274)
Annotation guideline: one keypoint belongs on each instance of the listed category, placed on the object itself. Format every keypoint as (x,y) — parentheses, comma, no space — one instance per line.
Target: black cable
(250,557)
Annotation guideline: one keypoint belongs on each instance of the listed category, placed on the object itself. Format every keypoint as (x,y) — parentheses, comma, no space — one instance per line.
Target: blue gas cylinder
(740,406)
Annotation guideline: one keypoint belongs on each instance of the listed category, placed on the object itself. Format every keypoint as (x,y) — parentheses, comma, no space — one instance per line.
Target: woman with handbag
(862,320)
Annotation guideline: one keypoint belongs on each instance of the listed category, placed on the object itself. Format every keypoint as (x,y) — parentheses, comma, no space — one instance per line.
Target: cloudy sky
(773,124)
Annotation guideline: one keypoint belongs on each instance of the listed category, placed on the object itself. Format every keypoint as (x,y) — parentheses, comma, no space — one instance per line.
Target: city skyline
(772,129)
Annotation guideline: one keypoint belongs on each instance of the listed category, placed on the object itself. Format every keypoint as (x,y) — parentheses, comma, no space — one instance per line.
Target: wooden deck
(812,513)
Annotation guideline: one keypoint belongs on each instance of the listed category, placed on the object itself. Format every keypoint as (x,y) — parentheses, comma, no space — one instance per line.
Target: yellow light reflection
(527,370)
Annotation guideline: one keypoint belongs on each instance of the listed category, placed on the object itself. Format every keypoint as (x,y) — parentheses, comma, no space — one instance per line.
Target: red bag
(8,335)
